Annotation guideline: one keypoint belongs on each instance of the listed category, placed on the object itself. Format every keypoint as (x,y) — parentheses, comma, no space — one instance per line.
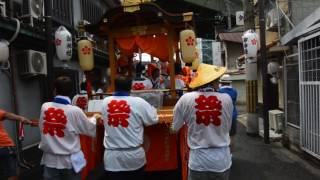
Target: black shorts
(8,162)
(125,175)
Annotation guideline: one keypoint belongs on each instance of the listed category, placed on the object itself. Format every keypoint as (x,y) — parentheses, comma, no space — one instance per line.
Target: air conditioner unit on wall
(33,11)
(3,8)
(276,120)
(32,63)
(272,19)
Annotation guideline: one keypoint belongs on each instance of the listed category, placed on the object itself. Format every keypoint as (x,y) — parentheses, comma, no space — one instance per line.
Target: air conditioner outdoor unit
(276,120)
(32,63)
(272,19)
(33,11)
(3,8)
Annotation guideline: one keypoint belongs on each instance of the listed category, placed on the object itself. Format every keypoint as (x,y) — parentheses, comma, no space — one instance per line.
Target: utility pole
(228,8)
(49,49)
(264,63)
(251,75)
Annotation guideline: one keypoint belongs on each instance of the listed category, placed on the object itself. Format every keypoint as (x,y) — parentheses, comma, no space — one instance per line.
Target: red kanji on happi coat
(54,122)
(82,102)
(118,113)
(208,110)
(138,86)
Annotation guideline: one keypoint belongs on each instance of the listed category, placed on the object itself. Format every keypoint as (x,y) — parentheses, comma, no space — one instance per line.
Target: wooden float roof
(141,14)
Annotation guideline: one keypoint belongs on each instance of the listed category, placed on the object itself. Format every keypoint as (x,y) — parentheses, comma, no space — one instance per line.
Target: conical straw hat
(205,74)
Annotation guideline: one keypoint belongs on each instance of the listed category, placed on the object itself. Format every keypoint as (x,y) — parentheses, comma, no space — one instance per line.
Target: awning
(305,26)
(231,37)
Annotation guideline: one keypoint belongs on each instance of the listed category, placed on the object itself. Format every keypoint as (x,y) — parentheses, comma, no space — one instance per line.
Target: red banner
(161,148)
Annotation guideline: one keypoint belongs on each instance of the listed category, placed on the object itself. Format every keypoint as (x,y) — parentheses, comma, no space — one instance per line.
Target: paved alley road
(254,160)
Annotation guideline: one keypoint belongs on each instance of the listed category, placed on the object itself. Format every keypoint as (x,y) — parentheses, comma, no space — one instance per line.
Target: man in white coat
(60,124)
(208,115)
(124,119)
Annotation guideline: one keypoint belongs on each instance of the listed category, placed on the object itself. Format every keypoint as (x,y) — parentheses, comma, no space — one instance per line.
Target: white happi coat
(208,116)
(124,120)
(60,126)
(81,100)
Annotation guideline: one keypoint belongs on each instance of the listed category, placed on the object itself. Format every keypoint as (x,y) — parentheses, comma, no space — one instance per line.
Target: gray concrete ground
(252,160)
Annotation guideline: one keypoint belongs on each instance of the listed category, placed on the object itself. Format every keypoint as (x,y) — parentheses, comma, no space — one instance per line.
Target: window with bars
(310,56)
(309,70)
(62,12)
(91,12)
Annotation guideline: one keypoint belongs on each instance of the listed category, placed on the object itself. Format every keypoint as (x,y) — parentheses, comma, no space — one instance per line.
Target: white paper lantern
(188,45)
(63,41)
(250,41)
(273,68)
(4,50)
(85,54)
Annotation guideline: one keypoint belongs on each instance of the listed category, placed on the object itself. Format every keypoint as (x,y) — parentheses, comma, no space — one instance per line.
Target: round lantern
(195,64)
(85,54)
(250,44)
(63,42)
(4,51)
(187,45)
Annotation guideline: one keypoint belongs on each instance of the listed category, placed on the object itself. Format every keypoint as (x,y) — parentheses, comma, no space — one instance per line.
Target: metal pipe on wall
(266,82)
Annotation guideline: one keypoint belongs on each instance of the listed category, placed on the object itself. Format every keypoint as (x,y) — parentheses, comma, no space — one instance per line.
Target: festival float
(135,27)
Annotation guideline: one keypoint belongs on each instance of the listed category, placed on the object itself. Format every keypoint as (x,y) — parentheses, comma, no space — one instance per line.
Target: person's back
(207,115)
(60,124)
(124,120)
(226,87)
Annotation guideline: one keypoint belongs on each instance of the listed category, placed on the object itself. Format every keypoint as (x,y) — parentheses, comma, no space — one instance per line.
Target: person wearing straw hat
(208,115)
(225,87)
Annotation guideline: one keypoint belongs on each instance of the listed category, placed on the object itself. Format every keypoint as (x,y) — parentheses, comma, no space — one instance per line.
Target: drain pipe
(19,125)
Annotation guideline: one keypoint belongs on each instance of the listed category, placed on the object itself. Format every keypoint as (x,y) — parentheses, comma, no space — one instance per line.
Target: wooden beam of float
(112,61)
(135,31)
(171,63)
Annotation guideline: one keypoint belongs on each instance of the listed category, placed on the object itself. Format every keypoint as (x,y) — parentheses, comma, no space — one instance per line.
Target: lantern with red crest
(188,45)
(250,43)
(63,42)
(85,53)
